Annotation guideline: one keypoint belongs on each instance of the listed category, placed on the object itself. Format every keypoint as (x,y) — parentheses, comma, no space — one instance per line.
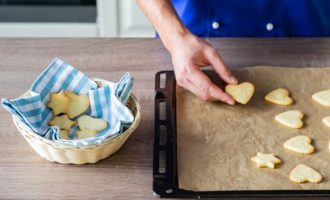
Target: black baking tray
(165,172)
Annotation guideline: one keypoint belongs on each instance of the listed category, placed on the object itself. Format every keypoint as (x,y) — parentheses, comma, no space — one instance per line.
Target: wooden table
(128,173)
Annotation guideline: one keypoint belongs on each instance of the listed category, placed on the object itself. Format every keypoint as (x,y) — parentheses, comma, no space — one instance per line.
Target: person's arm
(189,53)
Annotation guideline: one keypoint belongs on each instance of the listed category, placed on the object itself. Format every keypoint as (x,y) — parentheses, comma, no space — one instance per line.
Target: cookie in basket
(72,106)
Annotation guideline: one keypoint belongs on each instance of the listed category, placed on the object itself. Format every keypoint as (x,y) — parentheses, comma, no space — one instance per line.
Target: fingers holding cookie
(242,93)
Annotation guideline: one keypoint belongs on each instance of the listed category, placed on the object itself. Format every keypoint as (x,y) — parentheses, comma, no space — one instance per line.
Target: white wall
(115,18)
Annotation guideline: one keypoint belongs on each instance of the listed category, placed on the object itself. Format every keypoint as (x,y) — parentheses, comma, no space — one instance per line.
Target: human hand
(189,54)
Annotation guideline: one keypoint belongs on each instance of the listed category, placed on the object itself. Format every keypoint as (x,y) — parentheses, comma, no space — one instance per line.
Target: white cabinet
(132,22)
(115,18)
(122,18)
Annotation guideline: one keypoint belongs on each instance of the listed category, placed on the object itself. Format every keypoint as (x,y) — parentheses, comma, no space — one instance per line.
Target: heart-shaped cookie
(292,118)
(279,96)
(326,121)
(300,144)
(322,97)
(242,93)
(303,173)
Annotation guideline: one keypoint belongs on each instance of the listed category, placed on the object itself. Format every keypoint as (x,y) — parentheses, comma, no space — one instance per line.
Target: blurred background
(73,18)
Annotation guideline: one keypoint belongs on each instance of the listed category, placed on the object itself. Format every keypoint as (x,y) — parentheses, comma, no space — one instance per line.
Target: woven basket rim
(36,137)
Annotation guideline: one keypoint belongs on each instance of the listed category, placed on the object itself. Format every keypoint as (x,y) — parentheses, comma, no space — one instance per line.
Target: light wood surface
(128,173)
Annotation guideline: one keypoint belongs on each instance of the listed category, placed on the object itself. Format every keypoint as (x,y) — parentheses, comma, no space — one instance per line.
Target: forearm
(188,52)
(165,20)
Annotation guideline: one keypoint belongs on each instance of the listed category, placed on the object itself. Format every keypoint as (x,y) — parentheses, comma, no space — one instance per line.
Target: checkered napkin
(107,102)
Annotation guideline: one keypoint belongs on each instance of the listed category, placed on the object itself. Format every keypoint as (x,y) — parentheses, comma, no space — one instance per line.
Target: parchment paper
(216,141)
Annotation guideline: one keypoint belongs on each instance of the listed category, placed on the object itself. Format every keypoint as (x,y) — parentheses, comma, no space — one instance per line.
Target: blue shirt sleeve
(255,18)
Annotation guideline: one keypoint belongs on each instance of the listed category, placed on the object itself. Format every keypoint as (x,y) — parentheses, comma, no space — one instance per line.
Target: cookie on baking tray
(242,93)
(322,97)
(266,160)
(291,118)
(300,144)
(303,173)
(326,121)
(279,96)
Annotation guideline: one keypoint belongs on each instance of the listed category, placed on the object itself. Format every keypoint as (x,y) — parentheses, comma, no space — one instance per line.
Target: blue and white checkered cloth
(107,102)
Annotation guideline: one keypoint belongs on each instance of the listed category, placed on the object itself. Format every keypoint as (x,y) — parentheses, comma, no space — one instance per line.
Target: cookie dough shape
(265,160)
(326,121)
(78,104)
(58,102)
(86,133)
(303,173)
(300,144)
(88,122)
(64,134)
(242,93)
(279,96)
(63,122)
(292,118)
(322,97)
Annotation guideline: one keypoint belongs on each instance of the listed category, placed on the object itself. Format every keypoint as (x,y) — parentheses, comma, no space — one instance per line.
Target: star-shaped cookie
(58,102)
(265,160)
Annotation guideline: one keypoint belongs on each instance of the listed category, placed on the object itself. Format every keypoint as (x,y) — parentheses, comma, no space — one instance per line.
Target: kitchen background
(73,18)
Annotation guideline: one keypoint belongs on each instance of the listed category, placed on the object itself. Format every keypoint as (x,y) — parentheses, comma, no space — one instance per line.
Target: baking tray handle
(164,148)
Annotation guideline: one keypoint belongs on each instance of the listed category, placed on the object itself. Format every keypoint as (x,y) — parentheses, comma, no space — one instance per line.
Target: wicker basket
(66,154)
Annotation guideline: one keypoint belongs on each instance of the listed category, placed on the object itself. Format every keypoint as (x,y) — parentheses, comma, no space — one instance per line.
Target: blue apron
(255,18)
